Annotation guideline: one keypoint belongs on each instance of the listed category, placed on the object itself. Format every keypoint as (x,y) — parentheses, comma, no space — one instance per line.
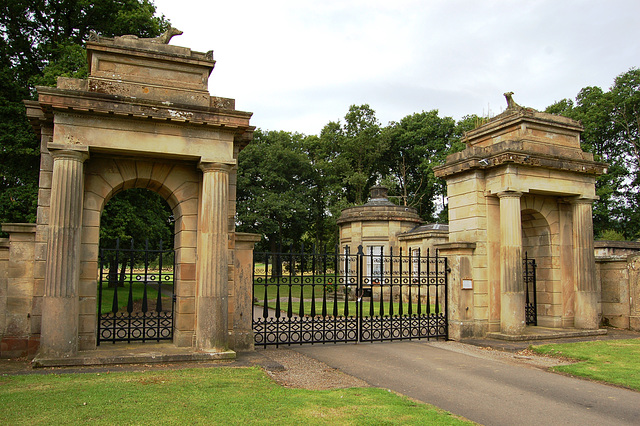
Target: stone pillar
(242,334)
(512,297)
(212,263)
(59,333)
(584,265)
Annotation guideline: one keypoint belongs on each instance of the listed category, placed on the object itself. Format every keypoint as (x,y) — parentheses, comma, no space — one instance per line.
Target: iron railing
(135,294)
(529,274)
(310,297)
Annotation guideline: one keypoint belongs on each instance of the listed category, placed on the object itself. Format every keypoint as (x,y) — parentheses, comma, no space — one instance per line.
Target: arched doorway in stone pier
(537,246)
(178,185)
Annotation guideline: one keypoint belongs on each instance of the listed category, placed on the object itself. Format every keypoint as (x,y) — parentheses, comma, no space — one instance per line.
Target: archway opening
(536,244)
(136,261)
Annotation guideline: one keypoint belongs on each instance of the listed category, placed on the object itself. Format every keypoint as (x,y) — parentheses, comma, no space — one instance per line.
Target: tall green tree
(39,41)
(357,149)
(275,189)
(416,144)
(611,120)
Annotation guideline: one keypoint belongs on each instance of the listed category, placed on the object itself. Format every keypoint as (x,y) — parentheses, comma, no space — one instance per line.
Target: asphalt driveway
(483,389)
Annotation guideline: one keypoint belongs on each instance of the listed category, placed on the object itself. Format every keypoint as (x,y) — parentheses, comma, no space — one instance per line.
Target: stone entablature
(529,140)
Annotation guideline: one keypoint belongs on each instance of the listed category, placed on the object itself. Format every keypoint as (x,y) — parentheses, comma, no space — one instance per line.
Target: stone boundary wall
(618,275)
(19,334)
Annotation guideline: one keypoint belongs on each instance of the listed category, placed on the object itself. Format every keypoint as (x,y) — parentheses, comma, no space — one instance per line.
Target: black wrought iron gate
(135,294)
(344,297)
(529,273)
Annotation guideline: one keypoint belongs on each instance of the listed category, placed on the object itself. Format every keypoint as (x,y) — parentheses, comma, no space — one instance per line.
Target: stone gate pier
(523,186)
(142,119)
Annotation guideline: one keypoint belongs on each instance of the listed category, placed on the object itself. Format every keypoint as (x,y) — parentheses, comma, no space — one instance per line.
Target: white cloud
(300,64)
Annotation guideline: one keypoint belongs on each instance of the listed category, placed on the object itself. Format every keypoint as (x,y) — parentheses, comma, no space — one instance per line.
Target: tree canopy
(292,187)
(41,40)
(611,120)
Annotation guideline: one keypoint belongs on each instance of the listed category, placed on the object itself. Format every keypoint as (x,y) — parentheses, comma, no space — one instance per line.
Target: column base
(211,324)
(586,308)
(634,323)
(241,341)
(59,331)
(512,316)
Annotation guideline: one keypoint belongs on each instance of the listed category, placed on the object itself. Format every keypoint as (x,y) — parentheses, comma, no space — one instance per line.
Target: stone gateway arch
(142,119)
(521,191)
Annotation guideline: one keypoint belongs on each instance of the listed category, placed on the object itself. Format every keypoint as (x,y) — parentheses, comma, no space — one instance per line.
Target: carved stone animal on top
(166,36)
(511,104)
(163,38)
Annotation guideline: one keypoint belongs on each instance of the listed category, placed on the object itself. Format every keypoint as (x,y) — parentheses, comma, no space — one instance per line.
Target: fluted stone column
(584,265)
(213,239)
(59,332)
(512,297)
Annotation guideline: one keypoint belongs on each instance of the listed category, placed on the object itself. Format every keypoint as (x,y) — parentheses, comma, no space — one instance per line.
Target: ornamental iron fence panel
(529,273)
(310,297)
(135,294)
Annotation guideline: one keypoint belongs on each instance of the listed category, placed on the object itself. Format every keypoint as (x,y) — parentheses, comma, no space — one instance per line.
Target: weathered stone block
(186,288)
(185,322)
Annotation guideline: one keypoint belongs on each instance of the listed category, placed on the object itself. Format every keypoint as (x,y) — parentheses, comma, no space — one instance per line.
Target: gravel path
(293,369)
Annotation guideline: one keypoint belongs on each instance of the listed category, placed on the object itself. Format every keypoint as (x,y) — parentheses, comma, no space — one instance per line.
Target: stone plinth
(242,325)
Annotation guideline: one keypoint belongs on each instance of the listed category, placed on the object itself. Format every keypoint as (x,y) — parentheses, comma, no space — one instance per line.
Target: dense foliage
(292,187)
(611,121)
(39,41)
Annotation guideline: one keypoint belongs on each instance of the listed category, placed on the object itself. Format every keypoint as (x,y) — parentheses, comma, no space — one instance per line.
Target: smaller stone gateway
(522,185)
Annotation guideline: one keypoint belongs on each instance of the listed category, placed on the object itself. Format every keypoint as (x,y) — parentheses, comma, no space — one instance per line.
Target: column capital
(581,200)
(79,155)
(211,166)
(509,194)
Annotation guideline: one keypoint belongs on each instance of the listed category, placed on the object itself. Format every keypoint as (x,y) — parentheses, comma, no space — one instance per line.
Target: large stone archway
(179,185)
(143,119)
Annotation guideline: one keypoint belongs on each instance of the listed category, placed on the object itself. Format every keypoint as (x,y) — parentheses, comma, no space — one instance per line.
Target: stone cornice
(53,99)
(517,152)
(142,48)
(379,213)
(520,115)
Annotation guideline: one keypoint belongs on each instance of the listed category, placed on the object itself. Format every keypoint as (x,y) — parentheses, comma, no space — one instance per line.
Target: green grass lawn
(199,396)
(611,361)
(352,307)
(138,293)
(272,295)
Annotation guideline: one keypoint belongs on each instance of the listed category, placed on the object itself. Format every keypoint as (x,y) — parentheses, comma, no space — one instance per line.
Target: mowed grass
(138,294)
(317,293)
(199,396)
(611,361)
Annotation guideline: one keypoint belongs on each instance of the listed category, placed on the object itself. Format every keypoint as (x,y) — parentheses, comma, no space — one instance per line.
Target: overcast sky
(299,64)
